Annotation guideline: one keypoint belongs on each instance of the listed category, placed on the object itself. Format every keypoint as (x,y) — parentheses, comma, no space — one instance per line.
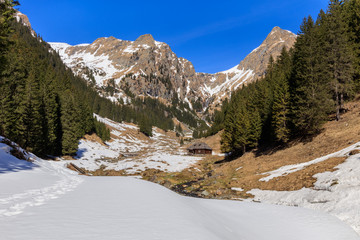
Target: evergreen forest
(46,109)
(302,89)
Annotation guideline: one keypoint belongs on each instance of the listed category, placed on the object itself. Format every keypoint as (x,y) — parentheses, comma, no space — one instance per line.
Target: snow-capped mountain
(145,67)
(220,85)
(150,68)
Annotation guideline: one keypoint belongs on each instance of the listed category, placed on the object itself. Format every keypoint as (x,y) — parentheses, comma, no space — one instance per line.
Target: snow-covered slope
(35,203)
(26,184)
(337,193)
(130,151)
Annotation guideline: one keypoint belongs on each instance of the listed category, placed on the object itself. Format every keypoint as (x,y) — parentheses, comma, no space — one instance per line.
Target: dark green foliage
(310,87)
(41,107)
(145,127)
(243,123)
(352,19)
(6,17)
(197,106)
(101,130)
(46,109)
(218,119)
(301,88)
(338,54)
(69,123)
(281,97)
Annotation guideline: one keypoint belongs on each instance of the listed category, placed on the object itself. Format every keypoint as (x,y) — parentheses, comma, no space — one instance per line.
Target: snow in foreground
(43,200)
(337,193)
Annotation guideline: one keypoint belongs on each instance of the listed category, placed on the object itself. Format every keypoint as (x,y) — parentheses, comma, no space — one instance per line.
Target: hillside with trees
(41,107)
(302,89)
(46,109)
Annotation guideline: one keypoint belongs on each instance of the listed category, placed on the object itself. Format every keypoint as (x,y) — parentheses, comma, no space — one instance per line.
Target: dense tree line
(46,109)
(302,88)
(41,109)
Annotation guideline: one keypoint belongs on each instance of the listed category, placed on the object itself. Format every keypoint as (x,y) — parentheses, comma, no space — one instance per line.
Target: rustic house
(199,148)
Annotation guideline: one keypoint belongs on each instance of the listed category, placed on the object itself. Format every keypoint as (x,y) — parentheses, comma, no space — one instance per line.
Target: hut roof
(199,145)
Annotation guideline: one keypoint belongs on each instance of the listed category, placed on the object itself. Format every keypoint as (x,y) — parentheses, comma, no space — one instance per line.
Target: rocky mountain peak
(146,39)
(147,67)
(278,34)
(258,59)
(20,17)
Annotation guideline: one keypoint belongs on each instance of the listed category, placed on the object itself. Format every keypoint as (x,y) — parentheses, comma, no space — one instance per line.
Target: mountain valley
(96,138)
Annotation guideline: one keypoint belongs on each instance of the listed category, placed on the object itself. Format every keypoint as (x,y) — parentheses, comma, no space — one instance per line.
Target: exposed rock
(220,85)
(150,68)
(205,193)
(258,59)
(20,17)
(354,152)
(146,67)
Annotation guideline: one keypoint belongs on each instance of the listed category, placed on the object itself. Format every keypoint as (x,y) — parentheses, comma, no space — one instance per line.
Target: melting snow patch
(337,193)
(285,170)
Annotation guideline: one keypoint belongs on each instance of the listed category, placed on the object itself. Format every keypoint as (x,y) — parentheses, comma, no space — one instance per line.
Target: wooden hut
(199,148)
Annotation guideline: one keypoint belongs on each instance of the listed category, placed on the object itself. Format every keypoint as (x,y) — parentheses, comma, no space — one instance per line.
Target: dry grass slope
(208,179)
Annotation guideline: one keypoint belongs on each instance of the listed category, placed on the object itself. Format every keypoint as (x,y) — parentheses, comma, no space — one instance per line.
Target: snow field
(44,200)
(127,208)
(129,153)
(27,184)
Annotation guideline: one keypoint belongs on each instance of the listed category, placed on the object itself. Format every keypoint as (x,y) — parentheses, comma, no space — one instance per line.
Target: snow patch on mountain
(234,79)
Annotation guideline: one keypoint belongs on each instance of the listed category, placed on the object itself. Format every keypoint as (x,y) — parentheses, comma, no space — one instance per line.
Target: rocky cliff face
(143,67)
(20,17)
(146,67)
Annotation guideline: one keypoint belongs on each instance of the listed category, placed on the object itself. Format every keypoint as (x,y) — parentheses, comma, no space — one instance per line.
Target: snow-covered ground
(25,184)
(129,152)
(337,193)
(44,200)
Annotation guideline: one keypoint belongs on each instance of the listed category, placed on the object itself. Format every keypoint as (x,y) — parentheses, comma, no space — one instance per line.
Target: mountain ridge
(136,65)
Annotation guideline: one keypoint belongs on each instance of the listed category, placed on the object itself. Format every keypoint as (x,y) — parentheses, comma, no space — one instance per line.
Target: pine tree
(33,116)
(227,135)
(281,102)
(69,139)
(241,130)
(145,127)
(13,97)
(255,128)
(6,17)
(309,85)
(52,112)
(181,141)
(339,55)
(352,19)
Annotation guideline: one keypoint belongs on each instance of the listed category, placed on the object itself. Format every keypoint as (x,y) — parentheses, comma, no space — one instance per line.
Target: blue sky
(213,35)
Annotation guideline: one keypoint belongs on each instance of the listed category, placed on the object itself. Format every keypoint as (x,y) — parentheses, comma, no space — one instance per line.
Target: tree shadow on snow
(80,153)
(11,164)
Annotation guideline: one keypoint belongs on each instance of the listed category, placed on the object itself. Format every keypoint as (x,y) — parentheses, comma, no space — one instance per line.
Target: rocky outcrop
(146,67)
(20,17)
(258,59)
